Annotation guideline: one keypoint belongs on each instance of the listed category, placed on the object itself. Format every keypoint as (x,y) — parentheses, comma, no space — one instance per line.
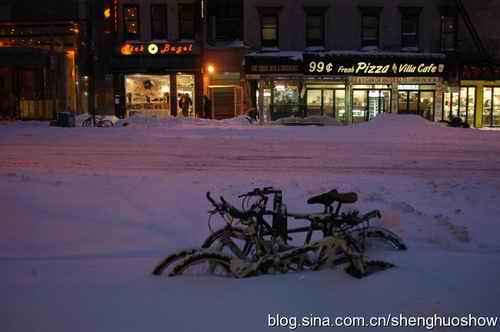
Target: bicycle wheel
(378,237)
(204,263)
(231,241)
(170,259)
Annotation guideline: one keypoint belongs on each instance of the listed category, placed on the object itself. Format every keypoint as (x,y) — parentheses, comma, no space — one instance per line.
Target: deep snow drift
(87,212)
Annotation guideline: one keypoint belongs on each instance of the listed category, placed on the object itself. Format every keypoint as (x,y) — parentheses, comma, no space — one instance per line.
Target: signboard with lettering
(260,65)
(155,49)
(480,72)
(373,66)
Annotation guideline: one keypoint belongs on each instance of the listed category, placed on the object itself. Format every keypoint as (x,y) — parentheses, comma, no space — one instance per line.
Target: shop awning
(145,64)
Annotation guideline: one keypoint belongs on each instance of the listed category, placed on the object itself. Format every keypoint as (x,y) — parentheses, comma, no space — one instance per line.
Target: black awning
(145,64)
(274,63)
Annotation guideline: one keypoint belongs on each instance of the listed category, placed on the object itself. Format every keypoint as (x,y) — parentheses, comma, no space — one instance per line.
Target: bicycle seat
(333,196)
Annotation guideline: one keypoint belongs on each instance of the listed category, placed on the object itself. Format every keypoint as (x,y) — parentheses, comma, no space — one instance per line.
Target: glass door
(340,105)
(413,102)
(379,101)
(328,103)
(427,104)
(403,102)
(359,105)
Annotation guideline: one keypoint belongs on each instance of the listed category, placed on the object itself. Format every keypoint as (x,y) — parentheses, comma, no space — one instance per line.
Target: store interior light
(280,87)
(211,69)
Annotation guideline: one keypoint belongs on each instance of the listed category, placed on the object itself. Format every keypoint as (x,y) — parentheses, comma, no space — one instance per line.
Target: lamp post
(91,36)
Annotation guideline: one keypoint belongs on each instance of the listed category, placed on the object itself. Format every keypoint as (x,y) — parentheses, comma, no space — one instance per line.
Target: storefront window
(285,100)
(460,104)
(147,95)
(496,106)
(467,104)
(185,95)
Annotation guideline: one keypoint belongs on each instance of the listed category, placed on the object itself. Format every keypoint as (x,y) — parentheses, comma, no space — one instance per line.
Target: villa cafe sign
(375,67)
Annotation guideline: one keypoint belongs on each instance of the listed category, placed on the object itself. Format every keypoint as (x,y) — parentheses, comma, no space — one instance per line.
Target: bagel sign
(155,49)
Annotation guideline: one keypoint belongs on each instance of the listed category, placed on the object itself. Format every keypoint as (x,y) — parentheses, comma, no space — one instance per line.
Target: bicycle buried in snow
(248,245)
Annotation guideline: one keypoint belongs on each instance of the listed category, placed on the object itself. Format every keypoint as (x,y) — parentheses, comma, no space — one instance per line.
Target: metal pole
(91,58)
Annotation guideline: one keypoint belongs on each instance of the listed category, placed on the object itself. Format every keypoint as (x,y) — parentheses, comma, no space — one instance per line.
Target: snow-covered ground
(86,213)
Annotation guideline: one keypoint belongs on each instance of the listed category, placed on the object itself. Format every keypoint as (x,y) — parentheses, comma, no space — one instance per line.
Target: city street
(88,212)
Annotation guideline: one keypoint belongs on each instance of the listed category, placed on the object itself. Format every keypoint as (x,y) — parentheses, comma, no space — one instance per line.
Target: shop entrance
(226,101)
(368,103)
(414,100)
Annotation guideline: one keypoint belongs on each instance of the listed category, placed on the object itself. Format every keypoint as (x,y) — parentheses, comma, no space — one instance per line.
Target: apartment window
(225,20)
(131,22)
(370,26)
(315,26)
(269,31)
(448,33)
(186,21)
(159,22)
(410,18)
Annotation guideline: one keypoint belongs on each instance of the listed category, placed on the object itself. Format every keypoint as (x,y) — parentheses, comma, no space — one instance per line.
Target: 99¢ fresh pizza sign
(375,68)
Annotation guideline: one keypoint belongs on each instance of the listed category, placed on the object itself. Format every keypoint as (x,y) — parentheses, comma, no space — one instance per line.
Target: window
(449,20)
(315,30)
(159,22)
(491,108)
(370,22)
(410,17)
(269,31)
(131,22)
(225,20)
(186,21)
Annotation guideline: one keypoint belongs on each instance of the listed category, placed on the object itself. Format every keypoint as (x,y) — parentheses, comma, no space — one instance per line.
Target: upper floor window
(448,32)
(410,17)
(225,20)
(186,20)
(315,26)
(269,26)
(159,22)
(131,22)
(269,31)
(370,26)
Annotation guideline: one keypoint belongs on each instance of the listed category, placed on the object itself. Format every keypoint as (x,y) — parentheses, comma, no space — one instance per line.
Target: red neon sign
(156,49)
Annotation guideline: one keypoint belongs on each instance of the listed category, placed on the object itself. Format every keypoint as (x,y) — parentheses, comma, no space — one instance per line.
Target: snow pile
(310,120)
(80,118)
(138,121)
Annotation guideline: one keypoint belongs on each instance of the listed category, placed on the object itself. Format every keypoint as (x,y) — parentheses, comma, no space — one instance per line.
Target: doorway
(415,101)
(368,103)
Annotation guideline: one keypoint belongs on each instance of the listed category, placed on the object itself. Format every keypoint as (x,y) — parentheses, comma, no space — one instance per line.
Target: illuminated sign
(274,68)
(156,49)
(329,65)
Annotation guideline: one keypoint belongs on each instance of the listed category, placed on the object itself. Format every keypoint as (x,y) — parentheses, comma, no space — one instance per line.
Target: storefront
(34,84)
(477,99)
(350,88)
(275,84)
(367,85)
(157,80)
